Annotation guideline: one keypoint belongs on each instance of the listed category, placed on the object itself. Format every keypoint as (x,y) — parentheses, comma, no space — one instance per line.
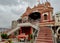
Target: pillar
(31,30)
(20,30)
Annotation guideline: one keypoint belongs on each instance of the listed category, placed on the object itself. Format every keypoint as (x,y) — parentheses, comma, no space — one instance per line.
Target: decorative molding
(45,13)
(36,11)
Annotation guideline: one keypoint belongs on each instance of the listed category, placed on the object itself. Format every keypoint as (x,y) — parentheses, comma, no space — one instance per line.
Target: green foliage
(31,36)
(4,36)
(15,33)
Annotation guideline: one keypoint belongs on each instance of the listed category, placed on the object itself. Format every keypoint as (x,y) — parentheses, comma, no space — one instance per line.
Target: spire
(47,3)
(39,1)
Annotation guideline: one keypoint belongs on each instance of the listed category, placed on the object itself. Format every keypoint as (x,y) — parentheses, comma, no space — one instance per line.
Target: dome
(34,6)
(19,20)
(47,4)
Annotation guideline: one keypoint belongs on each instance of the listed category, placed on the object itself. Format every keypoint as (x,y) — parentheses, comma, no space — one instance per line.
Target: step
(44,31)
(44,38)
(44,42)
(44,35)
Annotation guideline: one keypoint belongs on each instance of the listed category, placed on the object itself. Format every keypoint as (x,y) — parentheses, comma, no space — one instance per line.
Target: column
(31,30)
(20,30)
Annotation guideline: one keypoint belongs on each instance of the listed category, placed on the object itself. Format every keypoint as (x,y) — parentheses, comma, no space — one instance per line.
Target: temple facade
(38,21)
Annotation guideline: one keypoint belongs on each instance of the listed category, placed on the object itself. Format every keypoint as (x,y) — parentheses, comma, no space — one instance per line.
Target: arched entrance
(59,31)
(34,16)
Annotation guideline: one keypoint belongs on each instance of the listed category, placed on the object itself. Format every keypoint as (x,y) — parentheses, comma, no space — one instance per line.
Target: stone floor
(45,35)
(58,41)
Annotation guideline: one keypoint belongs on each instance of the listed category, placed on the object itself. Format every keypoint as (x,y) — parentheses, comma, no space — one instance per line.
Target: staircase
(22,24)
(44,35)
(13,30)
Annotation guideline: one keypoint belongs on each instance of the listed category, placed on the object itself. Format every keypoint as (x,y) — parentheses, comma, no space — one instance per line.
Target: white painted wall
(57,17)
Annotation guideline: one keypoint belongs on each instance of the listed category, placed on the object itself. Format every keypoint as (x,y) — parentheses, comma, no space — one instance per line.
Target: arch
(45,16)
(58,30)
(34,16)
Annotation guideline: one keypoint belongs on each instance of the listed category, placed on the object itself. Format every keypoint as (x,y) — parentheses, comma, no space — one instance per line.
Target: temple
(38,22)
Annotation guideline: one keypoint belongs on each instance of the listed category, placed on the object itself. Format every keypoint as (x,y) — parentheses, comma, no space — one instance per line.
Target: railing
(22,24)
(13,30)
(28,24)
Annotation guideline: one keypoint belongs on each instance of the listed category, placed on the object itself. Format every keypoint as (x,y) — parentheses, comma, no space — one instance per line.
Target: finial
(39,1)
(46,0)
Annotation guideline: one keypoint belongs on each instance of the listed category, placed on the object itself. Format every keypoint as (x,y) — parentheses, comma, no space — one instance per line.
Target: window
(58,20)
(45,16)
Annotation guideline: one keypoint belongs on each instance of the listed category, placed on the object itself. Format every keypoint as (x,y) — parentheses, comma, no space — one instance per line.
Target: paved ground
(58,41)
(16,42)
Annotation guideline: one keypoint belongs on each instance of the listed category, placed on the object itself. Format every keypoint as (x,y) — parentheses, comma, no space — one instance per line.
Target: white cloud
(9,13)
(6,15)
(12,9)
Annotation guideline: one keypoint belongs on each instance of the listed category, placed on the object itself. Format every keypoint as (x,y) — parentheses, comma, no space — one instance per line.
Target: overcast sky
(12,9)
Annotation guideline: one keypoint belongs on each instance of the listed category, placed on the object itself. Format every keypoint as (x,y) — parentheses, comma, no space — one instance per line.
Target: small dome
(19,20)
(47,4)
(34,6)
(28,8)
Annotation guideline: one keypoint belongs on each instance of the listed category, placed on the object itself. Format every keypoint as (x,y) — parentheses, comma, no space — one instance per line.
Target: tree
(4,36)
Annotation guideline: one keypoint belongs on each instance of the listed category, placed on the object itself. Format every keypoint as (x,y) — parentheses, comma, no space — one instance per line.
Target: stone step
(44,42)
(44,32)
(44,38)
(45,35)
